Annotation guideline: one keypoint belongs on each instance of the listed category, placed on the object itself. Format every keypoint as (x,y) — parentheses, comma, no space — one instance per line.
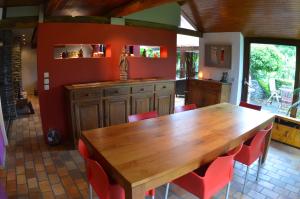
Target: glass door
(270,77)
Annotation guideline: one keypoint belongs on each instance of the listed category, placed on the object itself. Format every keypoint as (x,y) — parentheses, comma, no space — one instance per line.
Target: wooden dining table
(149,153)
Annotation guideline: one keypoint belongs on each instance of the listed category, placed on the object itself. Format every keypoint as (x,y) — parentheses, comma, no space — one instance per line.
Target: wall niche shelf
(146,51)
(81,51)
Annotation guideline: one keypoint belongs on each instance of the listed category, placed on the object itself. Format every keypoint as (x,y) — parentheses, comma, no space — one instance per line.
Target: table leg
(135,193)
(267,143)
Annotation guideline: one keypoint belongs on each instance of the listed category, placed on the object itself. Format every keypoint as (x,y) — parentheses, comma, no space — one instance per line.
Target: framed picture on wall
(218,56)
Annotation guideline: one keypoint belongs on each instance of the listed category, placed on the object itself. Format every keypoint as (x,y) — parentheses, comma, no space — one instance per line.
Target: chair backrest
(142,116)
(252,106)
(272,85)
(185,108)
(83,150)
(257,144)
(220,171)
(98,178)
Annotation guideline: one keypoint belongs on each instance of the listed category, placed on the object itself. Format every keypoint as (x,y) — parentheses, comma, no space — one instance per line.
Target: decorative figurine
(123,65)
(80,53)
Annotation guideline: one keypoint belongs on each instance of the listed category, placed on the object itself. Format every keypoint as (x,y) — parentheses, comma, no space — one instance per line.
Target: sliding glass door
(271,74)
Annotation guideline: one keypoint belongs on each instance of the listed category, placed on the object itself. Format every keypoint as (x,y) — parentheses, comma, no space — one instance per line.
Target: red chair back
(185,108)
(257,144)
(252,106)
(142,116)
(83,150)
(220,170)
(98,178)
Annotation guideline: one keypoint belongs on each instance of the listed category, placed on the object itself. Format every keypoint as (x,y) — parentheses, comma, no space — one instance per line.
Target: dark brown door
(142,103)
(116,110)
(88,115)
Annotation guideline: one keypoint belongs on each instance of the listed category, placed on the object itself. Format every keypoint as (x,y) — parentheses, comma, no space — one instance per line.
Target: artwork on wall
(218,56)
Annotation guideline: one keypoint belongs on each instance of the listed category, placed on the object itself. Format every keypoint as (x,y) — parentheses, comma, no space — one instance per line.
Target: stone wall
(16,68)
(7,91)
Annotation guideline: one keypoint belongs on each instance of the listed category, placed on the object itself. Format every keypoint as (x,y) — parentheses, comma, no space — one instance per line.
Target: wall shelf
(146,51)
(81,51)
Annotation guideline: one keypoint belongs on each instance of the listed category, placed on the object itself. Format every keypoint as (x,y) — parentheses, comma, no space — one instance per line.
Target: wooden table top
(153,152)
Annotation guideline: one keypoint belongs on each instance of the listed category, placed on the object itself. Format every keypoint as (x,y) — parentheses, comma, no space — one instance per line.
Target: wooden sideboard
(96,105)
(207,92)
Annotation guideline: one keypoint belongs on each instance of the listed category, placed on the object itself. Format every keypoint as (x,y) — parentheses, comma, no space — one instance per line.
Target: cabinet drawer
(143,89)
(86,94)
(113,91)
(164,86)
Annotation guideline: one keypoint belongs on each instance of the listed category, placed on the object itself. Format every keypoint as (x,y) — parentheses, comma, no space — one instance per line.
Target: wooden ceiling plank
(54,5)
(137,5)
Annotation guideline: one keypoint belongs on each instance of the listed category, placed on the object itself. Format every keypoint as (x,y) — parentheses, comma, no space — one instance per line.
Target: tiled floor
(35,170)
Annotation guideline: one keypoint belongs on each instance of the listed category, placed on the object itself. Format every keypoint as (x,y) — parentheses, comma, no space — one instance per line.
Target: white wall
(236,39)
(29,69)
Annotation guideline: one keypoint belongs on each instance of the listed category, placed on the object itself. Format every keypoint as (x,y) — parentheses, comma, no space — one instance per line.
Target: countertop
(116,82)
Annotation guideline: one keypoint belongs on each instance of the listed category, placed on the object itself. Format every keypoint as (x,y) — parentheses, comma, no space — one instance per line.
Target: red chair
(253,151)
(252,106)
(207,183)
(142,116)
(185,108)
(98,180)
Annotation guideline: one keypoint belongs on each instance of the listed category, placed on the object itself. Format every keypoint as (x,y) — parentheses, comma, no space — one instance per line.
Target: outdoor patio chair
(274,92)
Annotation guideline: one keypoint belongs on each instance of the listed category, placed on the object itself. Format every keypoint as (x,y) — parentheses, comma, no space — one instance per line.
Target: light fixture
(200,74)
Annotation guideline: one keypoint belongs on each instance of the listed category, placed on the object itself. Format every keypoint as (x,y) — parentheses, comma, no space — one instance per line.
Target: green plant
(264,60)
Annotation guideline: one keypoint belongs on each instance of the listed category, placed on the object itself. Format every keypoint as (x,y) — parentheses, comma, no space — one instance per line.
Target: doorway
(270,75)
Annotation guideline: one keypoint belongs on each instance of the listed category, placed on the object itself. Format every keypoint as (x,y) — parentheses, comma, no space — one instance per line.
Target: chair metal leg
(90,191)
(258,166)
(152,197)
(234,163)
(167,191)
(245,180)
(227,190)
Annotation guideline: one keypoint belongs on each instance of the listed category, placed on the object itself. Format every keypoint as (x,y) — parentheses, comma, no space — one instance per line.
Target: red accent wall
(63,72)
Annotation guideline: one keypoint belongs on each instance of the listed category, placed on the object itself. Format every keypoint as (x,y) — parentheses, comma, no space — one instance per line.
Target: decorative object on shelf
(224,77)
(144,53)
(80,53)
(218,56)
(75,51)
(123,65)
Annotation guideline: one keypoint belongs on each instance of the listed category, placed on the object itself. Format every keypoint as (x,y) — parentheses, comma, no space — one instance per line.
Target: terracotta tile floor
(35,170)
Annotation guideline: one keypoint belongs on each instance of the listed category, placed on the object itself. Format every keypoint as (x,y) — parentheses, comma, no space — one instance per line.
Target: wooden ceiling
(114,8)
(256,18)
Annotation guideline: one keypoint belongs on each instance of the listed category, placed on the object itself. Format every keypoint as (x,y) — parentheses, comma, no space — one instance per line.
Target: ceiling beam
(18,22)
(15,3)
(138,5)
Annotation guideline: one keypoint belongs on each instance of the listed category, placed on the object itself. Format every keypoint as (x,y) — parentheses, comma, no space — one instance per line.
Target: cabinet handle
(164,87)
(87,94)
(142,89)
(116,91)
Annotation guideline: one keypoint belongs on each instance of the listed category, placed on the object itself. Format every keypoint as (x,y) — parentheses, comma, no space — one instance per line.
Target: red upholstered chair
(185,108)
(253,151)
(218,174)
(142,116)
(98,180)
(252,106)
(85,155)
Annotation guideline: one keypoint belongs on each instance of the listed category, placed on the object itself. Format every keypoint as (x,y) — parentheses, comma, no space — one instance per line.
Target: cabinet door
(164,102)
(88,115)
(116,110)
(142,103)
